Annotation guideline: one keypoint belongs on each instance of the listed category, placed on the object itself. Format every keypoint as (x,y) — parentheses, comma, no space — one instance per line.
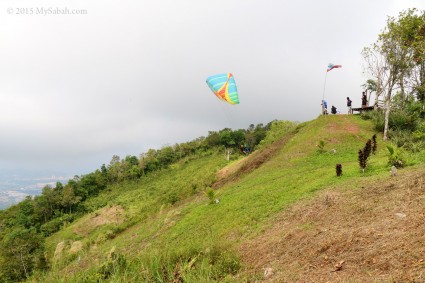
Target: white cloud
(129,75)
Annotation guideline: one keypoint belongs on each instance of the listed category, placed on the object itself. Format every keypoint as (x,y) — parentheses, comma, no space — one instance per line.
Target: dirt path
(250,163)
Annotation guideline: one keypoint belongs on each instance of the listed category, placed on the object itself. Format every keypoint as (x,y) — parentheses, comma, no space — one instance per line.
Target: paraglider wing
(224,87)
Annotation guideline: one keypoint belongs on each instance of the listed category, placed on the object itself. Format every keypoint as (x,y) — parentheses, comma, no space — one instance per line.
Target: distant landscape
(14,187)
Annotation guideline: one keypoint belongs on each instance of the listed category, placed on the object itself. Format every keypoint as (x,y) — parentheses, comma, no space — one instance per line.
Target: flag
(332,66)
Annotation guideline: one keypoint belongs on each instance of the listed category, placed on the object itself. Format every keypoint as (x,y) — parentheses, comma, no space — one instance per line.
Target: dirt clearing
(106,215)
(371,234)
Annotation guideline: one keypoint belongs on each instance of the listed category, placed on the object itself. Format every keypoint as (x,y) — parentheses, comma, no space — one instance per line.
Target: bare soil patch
(106,215)
(347,126)
(372,234)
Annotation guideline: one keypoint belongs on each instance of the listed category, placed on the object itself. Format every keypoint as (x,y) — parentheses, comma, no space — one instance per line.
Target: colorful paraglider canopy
(224,87)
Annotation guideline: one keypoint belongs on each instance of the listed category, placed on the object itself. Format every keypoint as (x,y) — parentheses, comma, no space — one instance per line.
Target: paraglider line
(323,97)
(324,86)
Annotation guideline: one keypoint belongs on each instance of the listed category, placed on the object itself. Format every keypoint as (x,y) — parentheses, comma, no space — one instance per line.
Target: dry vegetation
(375,233)
(106,215)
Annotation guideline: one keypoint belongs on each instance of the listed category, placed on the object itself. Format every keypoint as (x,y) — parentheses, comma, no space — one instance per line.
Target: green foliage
(210,193)
(114,264)
(20,253)
(321,147)
(278,129)
(173,198)
(403,120)
(164,241)
(255,134)
(401,138)
(58,206)
(407,128)
(55,224)
(377,118)
(193,264)
(395,157)
(224,263)
(396,61)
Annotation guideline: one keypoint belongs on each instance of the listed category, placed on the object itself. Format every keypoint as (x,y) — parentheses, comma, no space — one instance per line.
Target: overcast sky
(125,76)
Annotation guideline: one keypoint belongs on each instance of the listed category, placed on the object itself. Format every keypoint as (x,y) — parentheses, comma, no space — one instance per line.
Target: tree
(390,60)
(50,202)
(114,169)
(213,139)
(375,68)
(166,156)
(24,217)
(415,41)
(42,212)
(226,138)
(69,198)
(148,161)
(23,249)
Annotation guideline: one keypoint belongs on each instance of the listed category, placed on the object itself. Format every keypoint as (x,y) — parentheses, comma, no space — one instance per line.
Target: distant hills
(14,187)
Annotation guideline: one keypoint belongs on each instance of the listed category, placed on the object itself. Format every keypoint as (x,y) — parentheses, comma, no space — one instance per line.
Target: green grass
(171,225)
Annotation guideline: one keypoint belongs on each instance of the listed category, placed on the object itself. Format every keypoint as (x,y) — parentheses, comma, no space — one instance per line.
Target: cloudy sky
(120,77)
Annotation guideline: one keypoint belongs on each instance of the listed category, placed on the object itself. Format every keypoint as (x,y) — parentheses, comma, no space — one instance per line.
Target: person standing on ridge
(350,111)
(324,107)
(364,100)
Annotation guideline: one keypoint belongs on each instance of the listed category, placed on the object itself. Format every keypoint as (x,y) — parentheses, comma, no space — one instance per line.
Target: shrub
(55,224)
(278,129)
(115,263)
(173,198)
(395,157)
(417,146)
(210,193)
(401,120)
(321,146)
(377,118)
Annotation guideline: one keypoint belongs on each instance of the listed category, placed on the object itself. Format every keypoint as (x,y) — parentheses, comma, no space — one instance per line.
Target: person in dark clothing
(333,110)
(364,100)
(350,111)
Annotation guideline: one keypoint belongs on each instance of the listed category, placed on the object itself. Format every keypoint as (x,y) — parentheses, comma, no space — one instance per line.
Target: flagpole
(323,97)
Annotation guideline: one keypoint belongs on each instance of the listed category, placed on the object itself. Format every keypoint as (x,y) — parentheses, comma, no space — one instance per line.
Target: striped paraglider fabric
(224,87)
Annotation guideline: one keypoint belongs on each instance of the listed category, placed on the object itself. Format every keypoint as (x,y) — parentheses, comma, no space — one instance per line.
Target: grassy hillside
(165,229)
